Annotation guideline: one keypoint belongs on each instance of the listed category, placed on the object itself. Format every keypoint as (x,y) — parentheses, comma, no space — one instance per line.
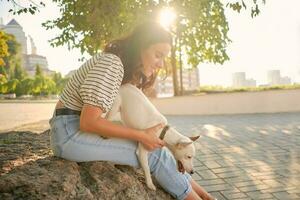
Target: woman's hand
(151,141)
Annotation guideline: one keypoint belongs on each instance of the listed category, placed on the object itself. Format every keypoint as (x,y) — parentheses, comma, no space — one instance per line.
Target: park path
(16,114)
(246,157)
(240,157)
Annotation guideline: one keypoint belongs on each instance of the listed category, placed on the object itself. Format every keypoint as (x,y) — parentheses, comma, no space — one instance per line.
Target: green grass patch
(220,89)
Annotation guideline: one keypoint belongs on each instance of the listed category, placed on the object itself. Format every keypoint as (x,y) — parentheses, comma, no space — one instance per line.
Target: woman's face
(153,57)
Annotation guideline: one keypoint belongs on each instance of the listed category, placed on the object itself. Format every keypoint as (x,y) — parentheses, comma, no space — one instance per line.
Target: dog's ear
(183,143)
(194,138)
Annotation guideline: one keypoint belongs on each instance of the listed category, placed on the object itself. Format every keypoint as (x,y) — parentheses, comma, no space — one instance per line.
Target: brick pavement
(247,157)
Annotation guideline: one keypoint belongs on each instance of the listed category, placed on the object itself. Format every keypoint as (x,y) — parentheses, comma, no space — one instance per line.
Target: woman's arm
(91,121)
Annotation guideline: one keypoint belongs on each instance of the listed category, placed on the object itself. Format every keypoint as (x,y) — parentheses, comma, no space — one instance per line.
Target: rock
(28,170)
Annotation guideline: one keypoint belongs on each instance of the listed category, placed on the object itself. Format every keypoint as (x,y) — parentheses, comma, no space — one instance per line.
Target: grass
(220,89)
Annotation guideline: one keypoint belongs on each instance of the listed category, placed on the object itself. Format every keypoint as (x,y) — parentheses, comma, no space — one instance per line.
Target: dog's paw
(151,186)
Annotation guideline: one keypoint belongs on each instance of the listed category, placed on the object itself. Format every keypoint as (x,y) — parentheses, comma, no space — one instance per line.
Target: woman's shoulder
(106,60)
(113,60)
(109,57)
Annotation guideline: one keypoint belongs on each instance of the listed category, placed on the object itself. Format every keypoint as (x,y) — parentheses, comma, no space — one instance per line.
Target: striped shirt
(96,82)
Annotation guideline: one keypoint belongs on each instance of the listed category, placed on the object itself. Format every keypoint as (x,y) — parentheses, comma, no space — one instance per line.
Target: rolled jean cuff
(185,193)
(188,176)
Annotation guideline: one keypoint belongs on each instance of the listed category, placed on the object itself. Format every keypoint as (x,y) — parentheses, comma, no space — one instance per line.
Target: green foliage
(29,6)
(59,81)
(43,86)
(25,86)
(38,71)
(8,86)
(202,31)
(11,53)
(17,80)
(19,72)
(3,71)
(39,86)
(3,82)
(201,26)
(3,47)
(12,85)
(220,89)
(238,5)
(88,25)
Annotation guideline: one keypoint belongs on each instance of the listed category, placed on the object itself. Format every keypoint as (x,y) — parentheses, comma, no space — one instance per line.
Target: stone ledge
(28,170)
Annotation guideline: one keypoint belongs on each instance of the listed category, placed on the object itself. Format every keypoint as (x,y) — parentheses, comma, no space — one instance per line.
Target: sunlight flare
(167,17)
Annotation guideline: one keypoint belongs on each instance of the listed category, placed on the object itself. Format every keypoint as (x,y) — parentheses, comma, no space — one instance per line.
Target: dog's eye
(189,157)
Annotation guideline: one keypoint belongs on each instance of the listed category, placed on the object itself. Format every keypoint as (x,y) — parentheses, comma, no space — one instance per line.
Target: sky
(270,41)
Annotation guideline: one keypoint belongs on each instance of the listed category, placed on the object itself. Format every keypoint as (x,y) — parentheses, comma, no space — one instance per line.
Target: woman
(79,130)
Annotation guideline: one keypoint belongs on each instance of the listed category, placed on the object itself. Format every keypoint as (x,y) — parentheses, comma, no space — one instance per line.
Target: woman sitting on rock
(79,130)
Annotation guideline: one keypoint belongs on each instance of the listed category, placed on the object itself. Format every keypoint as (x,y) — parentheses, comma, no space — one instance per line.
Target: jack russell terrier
(136,111)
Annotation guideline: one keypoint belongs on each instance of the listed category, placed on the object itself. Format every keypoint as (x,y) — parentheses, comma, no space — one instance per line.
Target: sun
(167,17)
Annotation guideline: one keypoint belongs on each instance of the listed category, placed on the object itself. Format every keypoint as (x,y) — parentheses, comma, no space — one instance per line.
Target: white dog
(136,111)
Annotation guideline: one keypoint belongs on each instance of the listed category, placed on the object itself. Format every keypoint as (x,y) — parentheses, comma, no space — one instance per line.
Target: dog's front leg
(114,109)
(143,158)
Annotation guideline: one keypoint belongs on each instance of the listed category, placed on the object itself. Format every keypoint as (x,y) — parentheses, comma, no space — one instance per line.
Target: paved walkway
(247,157)
(13,114)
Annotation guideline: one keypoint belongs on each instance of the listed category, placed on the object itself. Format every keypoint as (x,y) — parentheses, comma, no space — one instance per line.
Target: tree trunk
(174,70)
(180,70)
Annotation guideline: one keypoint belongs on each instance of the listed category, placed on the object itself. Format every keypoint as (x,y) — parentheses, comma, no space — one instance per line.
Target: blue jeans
(68,142)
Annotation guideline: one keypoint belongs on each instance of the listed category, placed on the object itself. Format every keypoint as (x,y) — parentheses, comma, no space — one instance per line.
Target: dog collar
(163,132)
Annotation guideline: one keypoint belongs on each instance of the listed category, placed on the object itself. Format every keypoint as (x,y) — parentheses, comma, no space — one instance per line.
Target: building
(164,86)
(28,60)
(14,28)
(285,80)
(250,83)
(190,80)
(33,60)
(239,80)
(274,78)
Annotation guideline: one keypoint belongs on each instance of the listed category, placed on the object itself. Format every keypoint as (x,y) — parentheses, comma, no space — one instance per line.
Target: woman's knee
(161,156)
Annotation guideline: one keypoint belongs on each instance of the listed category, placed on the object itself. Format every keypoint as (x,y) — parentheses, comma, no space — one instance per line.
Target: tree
(59,81)
(3,81)
(89,26)
(201,28)
(238,5)
(3,47)
(25,86)
(29,6)
(12,85)
(19,72)
(10,53)
(2,71)
(43,86)
(38,71)
(9,86)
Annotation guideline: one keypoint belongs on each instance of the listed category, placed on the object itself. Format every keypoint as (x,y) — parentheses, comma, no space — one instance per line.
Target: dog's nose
(192,172)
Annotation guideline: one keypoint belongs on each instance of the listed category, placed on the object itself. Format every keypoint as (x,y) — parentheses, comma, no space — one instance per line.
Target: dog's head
(184,152)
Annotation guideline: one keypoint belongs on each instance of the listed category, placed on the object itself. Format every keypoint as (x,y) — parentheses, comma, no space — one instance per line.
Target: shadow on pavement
(251,156)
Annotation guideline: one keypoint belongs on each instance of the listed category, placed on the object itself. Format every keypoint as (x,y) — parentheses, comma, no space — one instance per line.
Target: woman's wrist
(141,136)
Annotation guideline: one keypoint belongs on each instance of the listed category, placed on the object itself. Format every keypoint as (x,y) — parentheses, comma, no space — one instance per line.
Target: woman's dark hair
(130,47)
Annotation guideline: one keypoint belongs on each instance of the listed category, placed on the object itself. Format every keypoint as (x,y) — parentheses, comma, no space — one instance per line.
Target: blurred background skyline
(270,41)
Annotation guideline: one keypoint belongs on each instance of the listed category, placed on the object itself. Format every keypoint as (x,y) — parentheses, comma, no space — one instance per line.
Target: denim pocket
(57,134)
(72,124)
